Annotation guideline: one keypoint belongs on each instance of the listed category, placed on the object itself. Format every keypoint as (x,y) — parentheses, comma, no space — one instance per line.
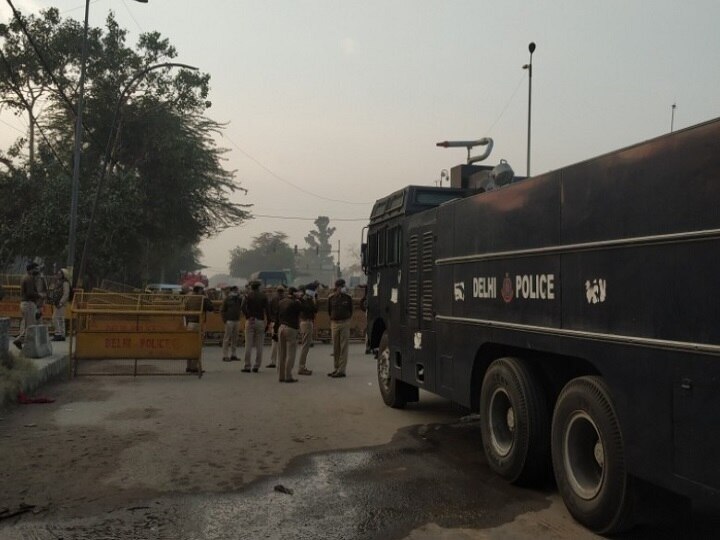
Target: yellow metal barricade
(214,326)
(132,327)
(114,286)
(10,306)
(321,328)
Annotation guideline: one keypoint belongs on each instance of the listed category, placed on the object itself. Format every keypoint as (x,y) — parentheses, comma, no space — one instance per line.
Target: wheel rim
(384,368)
(502,422)
(584,456)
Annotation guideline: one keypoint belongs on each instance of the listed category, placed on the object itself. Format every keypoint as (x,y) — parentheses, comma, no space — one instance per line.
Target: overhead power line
(78,7)
(288,182)
(510,99)
(13,127)
(140,28)
(309,218)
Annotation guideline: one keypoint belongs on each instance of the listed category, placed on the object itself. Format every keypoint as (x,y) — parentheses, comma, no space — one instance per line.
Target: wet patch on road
(426,474)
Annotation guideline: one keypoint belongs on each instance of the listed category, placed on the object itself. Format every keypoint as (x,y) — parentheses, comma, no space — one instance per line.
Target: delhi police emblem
(507,289)
(460,290)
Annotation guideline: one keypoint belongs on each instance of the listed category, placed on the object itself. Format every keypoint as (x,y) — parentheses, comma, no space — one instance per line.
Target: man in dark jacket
(340,309)
(289,317)
(255,309)
(29,300)
(274,314)
(230,313)
(308,309)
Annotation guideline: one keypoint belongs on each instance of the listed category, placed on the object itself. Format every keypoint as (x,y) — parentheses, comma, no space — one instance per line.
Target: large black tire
(588,457)
(391,389)
(515,422)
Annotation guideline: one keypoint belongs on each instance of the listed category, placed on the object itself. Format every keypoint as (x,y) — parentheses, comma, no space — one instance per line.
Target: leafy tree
(316,260)
(165,187)
(24,83)
(268,251)
(319,239)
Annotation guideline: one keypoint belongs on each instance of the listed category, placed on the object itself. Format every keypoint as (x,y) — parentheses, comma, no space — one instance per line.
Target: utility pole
(338,261)
(77,148)
(77,151)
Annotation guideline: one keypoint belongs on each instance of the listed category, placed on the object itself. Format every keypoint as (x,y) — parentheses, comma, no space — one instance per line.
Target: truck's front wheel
(391,389)
(515,422)
(588,456)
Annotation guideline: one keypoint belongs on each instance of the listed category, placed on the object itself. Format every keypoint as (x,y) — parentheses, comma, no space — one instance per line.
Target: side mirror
(363,257)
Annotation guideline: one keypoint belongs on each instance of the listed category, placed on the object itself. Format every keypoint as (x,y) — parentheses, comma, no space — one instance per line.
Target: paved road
(238,455)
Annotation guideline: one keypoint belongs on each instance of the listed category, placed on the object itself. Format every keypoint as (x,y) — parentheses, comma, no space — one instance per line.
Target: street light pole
(531,48)
(108,152)
(75,187)
(77,150)
(672,117)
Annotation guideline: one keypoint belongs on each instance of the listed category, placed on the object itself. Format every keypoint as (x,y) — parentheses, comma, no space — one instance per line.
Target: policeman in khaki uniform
(308,309)
(30,300)
(274,314)
(230,313)
(340,309)
(289,318)
(198,302)
(257,319)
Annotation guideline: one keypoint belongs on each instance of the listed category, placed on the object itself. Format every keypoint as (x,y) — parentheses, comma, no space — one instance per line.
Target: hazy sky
(346,99)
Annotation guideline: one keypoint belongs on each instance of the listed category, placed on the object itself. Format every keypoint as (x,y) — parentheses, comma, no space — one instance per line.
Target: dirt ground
(180,457)
(109,441)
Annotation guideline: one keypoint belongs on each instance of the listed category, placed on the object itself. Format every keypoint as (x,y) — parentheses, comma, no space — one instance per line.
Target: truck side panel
(525,215)
(613,262)
(663,186)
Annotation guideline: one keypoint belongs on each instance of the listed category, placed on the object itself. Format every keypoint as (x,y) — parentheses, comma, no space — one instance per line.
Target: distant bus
(270,278)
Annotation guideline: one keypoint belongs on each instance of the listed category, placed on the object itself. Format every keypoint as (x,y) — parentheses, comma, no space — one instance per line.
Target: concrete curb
(48,369)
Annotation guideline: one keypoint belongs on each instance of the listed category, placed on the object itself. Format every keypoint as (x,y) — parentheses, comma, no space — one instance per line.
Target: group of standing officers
(290,314)
(34,293)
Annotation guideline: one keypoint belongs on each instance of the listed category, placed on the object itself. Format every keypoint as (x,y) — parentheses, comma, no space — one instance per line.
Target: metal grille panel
(427,251)
(413,254)
(413,289)
(427,300)
(427,267)
(413,298)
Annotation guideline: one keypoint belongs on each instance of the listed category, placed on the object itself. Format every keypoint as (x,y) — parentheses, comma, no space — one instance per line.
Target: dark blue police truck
(576,311)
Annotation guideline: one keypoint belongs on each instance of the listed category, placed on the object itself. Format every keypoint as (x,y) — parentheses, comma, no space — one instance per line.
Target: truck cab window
(381,243)
(372,250)
(393,245)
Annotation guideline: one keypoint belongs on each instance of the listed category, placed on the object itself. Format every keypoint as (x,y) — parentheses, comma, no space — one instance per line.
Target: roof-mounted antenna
(485,141)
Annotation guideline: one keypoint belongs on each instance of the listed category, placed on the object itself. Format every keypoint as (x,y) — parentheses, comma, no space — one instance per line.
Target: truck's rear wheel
(391,389)
(588,456)
(515,422)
